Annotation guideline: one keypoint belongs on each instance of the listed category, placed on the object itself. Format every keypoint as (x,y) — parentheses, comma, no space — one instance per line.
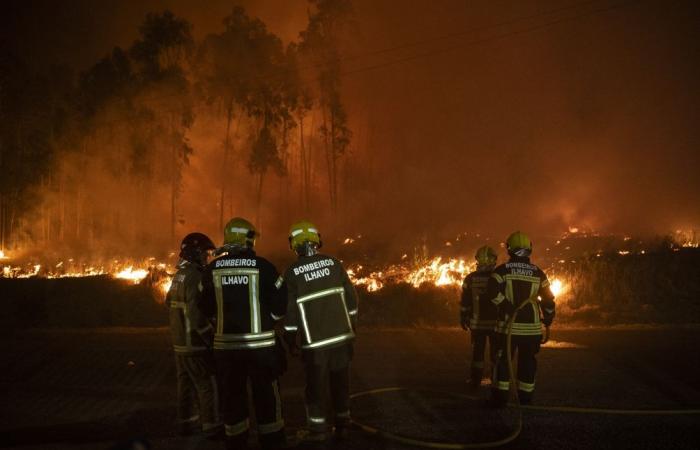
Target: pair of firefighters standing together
(232,305)
(514,298)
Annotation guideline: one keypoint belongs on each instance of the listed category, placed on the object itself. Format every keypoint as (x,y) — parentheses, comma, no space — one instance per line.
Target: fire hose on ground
(519,408)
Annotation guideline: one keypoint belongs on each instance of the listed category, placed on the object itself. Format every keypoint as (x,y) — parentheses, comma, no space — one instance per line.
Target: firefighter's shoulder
(468,279)
(501,269)
(264,263)
(187,273)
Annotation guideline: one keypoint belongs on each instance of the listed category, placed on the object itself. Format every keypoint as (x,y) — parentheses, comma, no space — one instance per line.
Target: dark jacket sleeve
(496,292)
(207,302)
(291,319)
(466,303)
(193,296)
(351,298)
(547,303)
(276,293)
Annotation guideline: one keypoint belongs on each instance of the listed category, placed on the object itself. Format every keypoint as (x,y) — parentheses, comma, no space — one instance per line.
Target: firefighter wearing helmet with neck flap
(192,335)
(321,318)
(518,285)
(478,313)
(245,295)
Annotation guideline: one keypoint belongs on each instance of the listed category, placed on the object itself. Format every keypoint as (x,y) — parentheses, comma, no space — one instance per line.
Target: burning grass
(659,286)
(604,286)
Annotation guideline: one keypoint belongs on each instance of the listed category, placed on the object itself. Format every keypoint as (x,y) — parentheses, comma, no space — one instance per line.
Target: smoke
(588,122)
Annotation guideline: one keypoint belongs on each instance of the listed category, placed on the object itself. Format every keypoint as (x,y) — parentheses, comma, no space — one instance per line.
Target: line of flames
(436,272)
(135,273)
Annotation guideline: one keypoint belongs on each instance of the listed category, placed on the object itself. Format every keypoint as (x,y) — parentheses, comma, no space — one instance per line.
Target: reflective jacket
(244,293)
(476,307)
(514,283)
(190,330)
(322,303)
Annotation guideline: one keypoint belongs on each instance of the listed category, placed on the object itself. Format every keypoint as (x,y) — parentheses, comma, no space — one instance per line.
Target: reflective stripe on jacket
(516,282)
(322,302)
(243,292)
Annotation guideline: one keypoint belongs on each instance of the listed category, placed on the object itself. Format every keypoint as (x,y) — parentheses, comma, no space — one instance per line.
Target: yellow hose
(519,422)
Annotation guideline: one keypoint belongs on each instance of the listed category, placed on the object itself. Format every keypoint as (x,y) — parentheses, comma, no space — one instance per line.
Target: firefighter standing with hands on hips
(244,292)
(192,336)
(478,313)
(321,319)
(520,288)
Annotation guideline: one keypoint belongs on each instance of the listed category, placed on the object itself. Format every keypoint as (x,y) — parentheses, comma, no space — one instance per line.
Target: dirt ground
(91,388)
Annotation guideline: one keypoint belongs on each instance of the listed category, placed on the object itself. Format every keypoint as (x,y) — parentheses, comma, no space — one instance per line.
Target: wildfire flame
(130,274)
(2,255)
(557,286)
(436,271)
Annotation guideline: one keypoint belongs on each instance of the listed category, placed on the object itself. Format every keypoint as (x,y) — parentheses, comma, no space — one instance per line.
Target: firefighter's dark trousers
(197,395)
(479,340)
(235,368)
(526,348)
(327,368)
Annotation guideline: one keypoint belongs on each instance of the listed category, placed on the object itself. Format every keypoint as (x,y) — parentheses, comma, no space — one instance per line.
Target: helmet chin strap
(522,252)
(307,249)
(231,249)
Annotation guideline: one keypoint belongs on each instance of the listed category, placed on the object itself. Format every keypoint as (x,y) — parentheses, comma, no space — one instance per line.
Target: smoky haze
(534,115)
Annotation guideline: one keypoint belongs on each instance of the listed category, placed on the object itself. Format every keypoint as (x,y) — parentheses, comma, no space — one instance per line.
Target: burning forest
(434,224)
(383,134)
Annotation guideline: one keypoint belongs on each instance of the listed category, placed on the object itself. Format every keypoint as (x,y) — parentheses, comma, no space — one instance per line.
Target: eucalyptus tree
(161,53)
(242,70)
(322,41)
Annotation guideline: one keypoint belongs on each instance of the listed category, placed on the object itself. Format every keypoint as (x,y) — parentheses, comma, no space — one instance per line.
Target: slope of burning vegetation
(659,286)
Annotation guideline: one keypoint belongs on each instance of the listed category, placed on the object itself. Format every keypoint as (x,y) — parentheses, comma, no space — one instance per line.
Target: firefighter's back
(324,304)
(521,282)
(247,301)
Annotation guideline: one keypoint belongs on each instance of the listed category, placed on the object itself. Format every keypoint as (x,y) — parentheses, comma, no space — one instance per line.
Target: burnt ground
(90,388)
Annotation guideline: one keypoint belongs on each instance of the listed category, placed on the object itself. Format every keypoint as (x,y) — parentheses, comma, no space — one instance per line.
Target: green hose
(519,422)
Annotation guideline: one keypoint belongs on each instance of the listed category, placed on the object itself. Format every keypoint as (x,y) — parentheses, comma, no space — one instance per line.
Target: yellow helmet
(485,256)
(239,231)
(303,231)
(519,244)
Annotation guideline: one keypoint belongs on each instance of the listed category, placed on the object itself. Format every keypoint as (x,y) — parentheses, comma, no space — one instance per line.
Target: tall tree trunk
(329,166)
(302,154)
(259,199)
(173,183)
(62,204)
(334,168)
(224,167)
(2,222)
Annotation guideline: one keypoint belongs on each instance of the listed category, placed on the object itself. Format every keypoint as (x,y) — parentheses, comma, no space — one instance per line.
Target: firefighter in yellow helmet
(244,293)
(511,285)
(478,313)
(321,318)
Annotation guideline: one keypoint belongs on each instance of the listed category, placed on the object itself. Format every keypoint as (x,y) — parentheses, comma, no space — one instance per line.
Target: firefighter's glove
(464,321)
(294,351)
(545,337)
(291,340)
(548,318)
(207,335)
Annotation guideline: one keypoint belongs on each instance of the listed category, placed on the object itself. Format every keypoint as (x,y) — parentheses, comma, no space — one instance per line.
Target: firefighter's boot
(475,380)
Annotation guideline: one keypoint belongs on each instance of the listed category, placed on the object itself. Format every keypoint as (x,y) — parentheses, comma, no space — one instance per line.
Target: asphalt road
(90,388)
